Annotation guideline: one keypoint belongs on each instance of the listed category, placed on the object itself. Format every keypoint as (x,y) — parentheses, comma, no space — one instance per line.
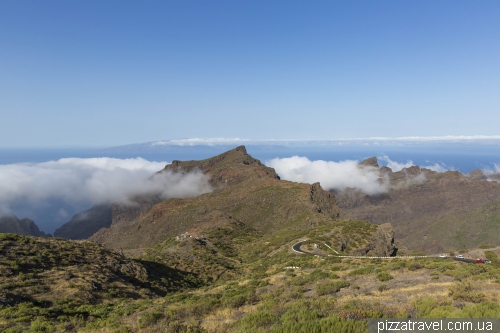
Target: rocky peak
(371,162)
(227,168)
(325,201)
(382,242)
(25,227)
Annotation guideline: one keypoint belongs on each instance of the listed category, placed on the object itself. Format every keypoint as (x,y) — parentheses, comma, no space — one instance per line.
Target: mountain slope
(11,224)
(244,190)
(421,201)
(47,270)
(85,224)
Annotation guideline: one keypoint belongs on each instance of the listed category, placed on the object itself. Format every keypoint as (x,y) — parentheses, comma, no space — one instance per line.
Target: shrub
(384,276)
(361,271)
(466,291)
(149,319)
(413,266)
(491,256)
(40,325)
(261,319)
(382,287)
(330,287)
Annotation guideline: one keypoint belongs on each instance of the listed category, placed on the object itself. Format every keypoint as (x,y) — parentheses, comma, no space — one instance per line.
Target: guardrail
(369,257)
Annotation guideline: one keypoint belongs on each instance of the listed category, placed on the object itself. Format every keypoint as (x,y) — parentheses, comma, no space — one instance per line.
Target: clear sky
(103,73)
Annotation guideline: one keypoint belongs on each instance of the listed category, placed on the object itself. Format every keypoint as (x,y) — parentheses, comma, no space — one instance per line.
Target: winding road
(296,248)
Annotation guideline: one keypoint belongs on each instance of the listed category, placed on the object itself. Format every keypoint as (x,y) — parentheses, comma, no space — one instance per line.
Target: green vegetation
(384,276)
(95,289)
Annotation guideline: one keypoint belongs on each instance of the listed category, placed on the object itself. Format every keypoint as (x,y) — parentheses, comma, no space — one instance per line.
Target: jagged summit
(227,168)
(372,161)
(26,227)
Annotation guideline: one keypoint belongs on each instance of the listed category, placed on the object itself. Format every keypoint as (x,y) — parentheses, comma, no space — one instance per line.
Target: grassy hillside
(463,229)
(223,262)
(47,271)
(260,293)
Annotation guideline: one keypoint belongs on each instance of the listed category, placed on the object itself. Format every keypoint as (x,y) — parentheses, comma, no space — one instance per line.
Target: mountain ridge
(419,197)
(244,188)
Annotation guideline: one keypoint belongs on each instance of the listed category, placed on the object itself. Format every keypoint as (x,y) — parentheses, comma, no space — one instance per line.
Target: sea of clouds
(75,184)
(93,181)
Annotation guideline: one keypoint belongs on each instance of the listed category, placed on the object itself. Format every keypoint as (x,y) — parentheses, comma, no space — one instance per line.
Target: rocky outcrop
(372,162)
(85,224)
(382,242)
(225,168)
(324,201)
(26,227)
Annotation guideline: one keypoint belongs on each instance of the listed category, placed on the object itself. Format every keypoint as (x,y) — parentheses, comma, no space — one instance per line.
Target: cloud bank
(94,181)
(338,176)
(332,175)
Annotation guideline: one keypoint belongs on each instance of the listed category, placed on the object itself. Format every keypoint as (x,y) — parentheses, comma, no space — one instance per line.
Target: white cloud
(94,180)
(395,166)
(492,174)
(331,175)
(445,139)
(340,175)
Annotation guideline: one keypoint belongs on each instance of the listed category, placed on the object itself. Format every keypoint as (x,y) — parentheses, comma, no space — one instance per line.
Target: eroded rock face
(324,200)
(382,242)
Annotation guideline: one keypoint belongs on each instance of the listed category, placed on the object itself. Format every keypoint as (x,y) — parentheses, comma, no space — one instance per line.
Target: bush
(330,287)
(413,266)
(149,319)
(382,287)
(261,319)
(384,276)
(491,256)
(466,291)
(361,271)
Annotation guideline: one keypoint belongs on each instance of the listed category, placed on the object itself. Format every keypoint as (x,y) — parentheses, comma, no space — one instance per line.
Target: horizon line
(483,139)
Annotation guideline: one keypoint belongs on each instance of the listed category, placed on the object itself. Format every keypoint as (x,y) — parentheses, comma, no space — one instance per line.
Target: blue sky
(103,73)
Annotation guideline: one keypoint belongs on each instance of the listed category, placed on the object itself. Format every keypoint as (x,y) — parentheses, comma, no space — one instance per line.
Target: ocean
(463,158)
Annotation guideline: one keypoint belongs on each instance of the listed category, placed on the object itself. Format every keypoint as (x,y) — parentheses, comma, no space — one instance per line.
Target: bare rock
(372,162)
(325,201)
(382,242)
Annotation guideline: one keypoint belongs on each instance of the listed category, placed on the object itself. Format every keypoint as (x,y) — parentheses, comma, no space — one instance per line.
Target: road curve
(296,247)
